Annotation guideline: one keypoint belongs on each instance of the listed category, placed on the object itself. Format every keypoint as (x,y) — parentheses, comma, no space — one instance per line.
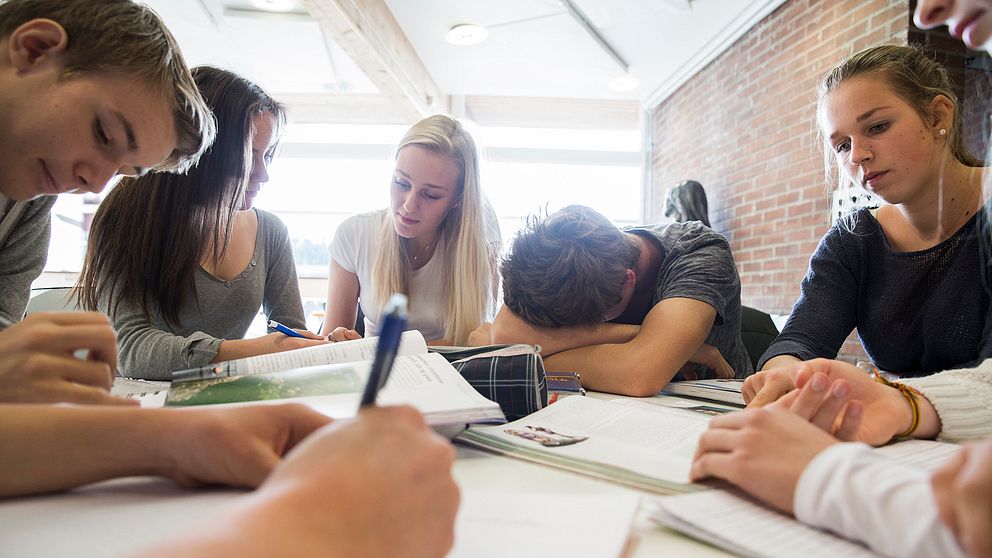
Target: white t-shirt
(354,249)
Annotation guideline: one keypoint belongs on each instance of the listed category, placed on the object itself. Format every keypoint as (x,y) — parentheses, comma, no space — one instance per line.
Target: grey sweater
(221,310)
(23,253)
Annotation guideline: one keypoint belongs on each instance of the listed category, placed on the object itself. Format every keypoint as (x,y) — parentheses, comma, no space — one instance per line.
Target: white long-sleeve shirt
(863,496)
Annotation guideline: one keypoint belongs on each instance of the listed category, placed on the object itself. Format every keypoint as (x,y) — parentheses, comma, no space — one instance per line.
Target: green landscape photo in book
(302,382)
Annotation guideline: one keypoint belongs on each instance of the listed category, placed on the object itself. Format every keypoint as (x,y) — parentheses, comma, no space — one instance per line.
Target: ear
(941,115)
(626,293)
(36,43)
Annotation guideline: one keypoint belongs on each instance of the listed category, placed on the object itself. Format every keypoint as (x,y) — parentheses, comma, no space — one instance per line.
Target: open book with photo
(638,444)
(330,378)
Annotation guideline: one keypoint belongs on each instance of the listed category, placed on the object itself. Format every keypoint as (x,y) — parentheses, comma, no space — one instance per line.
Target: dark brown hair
(567,269)
(150,234)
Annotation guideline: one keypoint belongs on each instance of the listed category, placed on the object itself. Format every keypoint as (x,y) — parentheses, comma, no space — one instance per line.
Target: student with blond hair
(438,242)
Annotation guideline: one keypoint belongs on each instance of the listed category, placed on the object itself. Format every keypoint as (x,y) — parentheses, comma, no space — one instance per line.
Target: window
(326,173)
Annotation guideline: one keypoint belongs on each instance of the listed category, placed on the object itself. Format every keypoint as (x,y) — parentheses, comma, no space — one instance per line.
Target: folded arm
(628,360)
(511,328)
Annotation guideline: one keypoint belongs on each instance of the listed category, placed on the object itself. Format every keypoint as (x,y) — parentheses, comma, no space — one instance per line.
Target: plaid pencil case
(511,375)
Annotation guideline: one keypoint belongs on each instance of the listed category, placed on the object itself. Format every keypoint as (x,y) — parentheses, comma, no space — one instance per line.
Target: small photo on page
(545,436)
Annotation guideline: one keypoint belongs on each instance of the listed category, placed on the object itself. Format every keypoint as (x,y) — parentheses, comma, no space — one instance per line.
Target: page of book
(746,527)
(425,381)
(148,393)
(649,440)
(411,343)
(539,525)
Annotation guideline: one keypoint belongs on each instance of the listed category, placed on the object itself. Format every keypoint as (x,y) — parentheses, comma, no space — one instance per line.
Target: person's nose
(259,171)
(410,202)
(860,152)
(94,175)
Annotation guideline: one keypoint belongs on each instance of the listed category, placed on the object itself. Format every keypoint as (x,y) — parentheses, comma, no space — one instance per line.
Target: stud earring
(943,131)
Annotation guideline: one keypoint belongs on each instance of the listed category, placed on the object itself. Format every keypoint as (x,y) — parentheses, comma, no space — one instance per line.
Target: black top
(916,312)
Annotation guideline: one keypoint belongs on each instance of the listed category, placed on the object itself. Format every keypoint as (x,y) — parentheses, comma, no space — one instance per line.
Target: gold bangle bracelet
(911,395)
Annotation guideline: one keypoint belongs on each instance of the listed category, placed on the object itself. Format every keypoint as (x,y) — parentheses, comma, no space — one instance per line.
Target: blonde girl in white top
(437,242)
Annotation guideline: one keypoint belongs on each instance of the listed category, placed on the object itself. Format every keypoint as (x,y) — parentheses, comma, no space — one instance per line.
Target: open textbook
(411,343)
(622,440)
(733,521)
(330,378)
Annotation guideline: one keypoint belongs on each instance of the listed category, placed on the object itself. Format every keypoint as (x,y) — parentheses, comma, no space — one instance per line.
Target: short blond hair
(124,38)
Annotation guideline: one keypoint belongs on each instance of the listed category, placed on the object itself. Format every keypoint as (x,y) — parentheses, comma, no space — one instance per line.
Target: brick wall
(744,127)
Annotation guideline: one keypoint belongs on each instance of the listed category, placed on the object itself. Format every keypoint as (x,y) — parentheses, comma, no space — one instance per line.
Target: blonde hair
(127,39)
(469,267)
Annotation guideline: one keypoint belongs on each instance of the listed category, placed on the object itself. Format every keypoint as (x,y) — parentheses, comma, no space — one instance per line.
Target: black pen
(385,350)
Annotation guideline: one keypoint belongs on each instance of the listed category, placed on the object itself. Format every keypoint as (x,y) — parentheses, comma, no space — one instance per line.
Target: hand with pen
(282,339)
(38,362)
(379,485)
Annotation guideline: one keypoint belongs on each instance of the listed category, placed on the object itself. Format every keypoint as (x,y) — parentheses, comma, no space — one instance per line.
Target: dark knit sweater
(916,312)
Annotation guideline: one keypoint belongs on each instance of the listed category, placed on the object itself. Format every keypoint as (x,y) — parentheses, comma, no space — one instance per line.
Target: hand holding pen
(286,330)
(385,351)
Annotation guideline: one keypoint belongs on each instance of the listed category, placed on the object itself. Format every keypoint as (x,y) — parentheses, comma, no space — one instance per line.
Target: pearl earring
(943,131)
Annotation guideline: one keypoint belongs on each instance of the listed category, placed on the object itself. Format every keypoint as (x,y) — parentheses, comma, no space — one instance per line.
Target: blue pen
(283,329)
(385,350)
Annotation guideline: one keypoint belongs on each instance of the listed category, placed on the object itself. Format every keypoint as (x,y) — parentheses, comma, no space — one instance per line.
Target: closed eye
(99,133)
(878,128)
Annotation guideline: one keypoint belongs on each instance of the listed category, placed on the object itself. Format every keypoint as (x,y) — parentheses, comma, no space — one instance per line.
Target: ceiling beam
(367,31)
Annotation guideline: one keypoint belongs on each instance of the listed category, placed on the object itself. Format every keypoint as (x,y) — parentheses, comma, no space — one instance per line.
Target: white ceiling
(534,49)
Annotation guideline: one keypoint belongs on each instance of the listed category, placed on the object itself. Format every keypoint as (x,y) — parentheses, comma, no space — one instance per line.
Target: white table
(118,517)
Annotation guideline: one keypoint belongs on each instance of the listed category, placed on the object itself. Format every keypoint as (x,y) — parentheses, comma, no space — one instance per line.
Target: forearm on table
(232,349)
(263,511)
(617,368)
(48,448)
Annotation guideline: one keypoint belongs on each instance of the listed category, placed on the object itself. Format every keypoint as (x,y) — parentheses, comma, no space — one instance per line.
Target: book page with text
(654,441)
(745,527)
(411,343)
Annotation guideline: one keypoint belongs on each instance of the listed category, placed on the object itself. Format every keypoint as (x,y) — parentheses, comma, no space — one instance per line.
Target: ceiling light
(624,83)
(466,34)
(275,5)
